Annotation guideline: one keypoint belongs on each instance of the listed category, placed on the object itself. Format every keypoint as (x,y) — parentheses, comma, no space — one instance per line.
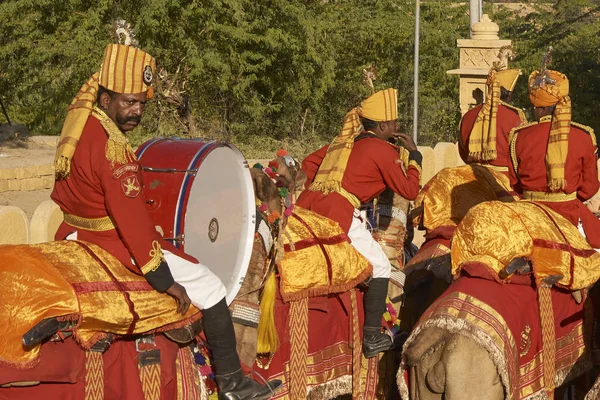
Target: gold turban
(482,140)
(545,94)
(124,69)
(381,106)
(508,78)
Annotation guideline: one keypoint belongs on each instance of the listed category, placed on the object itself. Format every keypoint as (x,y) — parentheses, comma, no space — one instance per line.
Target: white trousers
(203,287)
(580,228)
(364,243)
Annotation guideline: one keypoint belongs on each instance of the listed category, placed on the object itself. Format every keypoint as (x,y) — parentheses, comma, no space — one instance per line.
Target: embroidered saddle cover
(75,280)
(318,258)
(494,233)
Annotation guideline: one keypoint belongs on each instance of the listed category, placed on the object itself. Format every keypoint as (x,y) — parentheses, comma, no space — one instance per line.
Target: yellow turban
(508,78)
(482,140)
(124,69)
(548,94)
(545,94)
(381,106)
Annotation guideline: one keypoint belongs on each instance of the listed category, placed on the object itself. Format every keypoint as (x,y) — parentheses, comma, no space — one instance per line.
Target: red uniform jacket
(507,119)
(96,189)
(581,173)
(372,166)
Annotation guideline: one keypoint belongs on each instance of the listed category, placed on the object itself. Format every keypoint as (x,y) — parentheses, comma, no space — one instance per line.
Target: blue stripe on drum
(179,215)
(142,149)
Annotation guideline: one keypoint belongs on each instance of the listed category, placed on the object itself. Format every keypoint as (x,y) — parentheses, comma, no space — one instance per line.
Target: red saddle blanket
(505,320)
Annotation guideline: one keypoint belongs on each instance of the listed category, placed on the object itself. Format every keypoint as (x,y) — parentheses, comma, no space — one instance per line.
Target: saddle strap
(94,376)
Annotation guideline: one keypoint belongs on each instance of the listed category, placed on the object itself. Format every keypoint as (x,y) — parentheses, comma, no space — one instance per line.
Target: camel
(481,330)
(331,366)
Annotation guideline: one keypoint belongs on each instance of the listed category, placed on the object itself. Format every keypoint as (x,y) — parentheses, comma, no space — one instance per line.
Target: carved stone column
(476,58)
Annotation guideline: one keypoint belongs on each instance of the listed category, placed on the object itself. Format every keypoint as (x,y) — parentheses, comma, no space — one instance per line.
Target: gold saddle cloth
(449,195)
(78,281)
(318,258)
(493,233)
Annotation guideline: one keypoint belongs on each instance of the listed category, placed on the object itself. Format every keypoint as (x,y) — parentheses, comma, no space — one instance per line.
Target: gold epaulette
(118,150)
(586,129)
(522,116)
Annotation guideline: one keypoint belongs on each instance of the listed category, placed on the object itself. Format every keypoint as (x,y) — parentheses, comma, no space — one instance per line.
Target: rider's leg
(374,340)
(207,292)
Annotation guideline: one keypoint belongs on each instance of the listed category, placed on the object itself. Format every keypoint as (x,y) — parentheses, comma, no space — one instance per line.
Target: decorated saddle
(318,258)
(79,282)
(493,234)
(444,201)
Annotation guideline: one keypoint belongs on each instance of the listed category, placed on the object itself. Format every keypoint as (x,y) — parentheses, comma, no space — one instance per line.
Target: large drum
(201,197)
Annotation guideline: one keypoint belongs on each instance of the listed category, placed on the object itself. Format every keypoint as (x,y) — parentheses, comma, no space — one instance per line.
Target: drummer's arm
(311,164)
(126,206)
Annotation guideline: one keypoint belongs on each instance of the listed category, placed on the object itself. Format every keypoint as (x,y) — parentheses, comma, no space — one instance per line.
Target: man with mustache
(98,188)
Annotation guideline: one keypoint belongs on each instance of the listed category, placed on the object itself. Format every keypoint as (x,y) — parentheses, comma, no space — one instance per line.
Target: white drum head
(220,215)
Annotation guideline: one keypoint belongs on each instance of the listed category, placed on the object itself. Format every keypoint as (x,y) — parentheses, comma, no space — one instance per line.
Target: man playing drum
(356,167)
(99,189)
(554,160)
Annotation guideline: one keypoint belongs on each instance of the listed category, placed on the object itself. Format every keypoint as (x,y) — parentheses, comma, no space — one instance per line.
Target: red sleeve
(405,184)
(126,205)
(589,179)
(311,164)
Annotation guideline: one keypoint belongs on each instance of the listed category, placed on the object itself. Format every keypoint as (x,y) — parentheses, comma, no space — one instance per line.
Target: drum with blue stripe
(201,197)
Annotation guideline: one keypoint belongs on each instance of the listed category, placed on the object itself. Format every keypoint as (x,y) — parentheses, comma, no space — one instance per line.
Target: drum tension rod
(179,239)
(192,172)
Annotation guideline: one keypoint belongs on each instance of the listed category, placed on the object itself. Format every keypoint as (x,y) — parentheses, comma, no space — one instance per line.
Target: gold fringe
(62,168)
(331,389)
(325,187)
(268,340)
(557,184)
(118,149)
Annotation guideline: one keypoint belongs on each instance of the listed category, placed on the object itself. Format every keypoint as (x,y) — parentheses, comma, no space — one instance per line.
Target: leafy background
(268,73)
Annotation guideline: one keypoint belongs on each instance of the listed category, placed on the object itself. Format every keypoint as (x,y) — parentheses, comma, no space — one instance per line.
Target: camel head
(283,172)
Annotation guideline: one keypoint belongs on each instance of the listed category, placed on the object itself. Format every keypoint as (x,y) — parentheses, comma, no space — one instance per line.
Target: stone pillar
(477,56)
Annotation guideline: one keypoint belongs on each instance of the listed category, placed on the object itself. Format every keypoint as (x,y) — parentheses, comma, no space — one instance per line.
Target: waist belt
(493,167)
(350,197)
(549,197)
(89,224)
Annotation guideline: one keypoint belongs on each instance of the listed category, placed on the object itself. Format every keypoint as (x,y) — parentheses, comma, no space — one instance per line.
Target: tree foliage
(261,72)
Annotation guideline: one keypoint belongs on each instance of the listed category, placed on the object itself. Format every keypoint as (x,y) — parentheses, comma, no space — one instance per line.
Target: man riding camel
(356,167)
(99,189)
(554,160)
(485,128)
(483,145)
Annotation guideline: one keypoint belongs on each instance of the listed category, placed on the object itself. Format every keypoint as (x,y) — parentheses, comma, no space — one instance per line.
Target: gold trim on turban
(554,91)
(381,106)
(124,69)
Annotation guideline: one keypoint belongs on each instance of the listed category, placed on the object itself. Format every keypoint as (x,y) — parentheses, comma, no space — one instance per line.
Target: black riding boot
(375,341)
(233,385)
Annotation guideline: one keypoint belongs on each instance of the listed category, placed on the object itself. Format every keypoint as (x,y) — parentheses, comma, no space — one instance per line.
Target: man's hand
(406,141)
(180,295)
